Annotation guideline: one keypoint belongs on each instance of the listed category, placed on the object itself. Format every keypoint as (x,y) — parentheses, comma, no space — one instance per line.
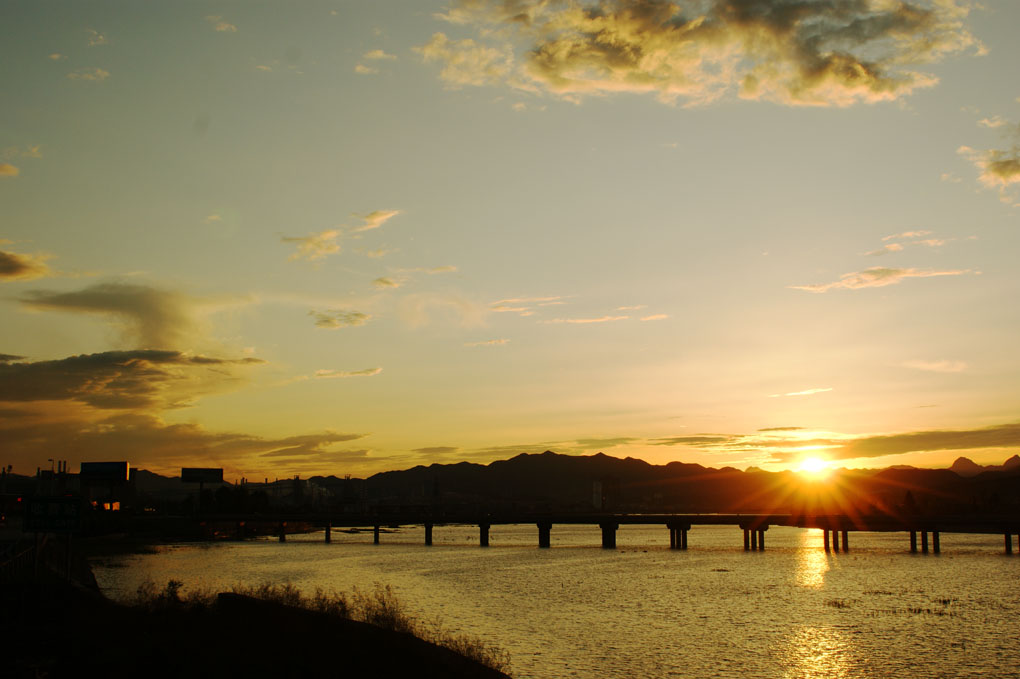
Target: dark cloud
(339,318)
(436,450)
(814,52)
(115,379)
(7,358)
(691,441)
(781,429)
(149,317)
(150,443)
(19,267)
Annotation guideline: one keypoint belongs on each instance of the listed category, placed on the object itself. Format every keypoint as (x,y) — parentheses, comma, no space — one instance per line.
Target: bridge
(836,528)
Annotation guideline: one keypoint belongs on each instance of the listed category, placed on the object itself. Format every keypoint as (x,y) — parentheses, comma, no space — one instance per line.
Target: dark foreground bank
(62,630)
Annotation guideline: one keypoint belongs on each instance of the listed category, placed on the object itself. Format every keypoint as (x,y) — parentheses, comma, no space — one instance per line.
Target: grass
(379,607)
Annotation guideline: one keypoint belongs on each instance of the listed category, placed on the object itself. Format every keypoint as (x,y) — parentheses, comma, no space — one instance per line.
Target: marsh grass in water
(380,607)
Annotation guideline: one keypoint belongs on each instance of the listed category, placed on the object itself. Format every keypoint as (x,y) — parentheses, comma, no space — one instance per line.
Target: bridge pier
(913,542)
(608,535)
(683,538)
(672,538)
(483,535)
(835,540)
(846,541)
(544,529)
(825,539)
(329,533)
(754,540)
(924,542)
(375,535)
(747,540)
(935,547)
(283,531)
(761,539)
(1009,543)
(428,534)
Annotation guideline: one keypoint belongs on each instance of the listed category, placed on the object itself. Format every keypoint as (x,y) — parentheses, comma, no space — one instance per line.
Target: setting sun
(814,467)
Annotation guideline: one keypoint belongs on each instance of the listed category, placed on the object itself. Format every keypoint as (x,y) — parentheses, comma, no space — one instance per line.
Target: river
(643,610)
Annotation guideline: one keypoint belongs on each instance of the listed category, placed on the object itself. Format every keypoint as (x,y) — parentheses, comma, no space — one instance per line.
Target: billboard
(52,514)
(105,472)
(202,474)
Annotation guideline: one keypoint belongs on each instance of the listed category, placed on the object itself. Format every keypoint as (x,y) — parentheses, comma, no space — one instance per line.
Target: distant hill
(551,481)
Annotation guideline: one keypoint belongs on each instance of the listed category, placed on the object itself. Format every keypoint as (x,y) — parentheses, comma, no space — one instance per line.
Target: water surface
(643,610)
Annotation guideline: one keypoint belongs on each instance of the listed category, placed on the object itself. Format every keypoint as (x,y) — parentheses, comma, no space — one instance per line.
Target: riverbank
(57,628)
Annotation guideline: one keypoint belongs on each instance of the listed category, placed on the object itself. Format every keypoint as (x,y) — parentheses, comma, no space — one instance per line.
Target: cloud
(378,55)
(600,319)
(147,317)
(375,219)
(23,152)
(885,250)
(365,70)
(805,52)
(422,309)
(90,74)
(221,26)
(876,277)
(213,219)
(488,343)
(117,380)
(339,318)
(998,436)
(436,450)
(314,246)
(8,170)
(19,267)
(806,392)
(635,307)
(655,317)
(96,38)
(386,282)
(699,440)
(56,56)
(767,429)
(993,122)
(1000,169)
(465,62)
(339,374)
(150,443)
(906,234)
(937,366)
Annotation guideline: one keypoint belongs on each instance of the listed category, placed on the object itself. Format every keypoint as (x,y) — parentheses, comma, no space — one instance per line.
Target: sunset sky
(346,237)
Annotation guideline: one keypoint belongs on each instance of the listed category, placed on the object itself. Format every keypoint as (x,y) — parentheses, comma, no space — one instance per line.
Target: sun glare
(814,467)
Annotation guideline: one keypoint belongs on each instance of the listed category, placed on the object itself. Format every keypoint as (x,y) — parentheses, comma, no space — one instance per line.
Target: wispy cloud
(89,74)
(362,69)
(8,170)
(339,318)
(96,38)
(221,26)
(832,53)
(386,282)
(655,317)
(21,267)
(375,219)
(877,277)
(29,151)
(1000,169)
(378,55)
(57,56)
(524,306)
(582,321)
(937,366)
(339,374)
(806,392)
(314,246)
(488,343)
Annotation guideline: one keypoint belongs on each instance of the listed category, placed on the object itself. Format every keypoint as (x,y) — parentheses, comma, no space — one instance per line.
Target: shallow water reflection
(646,611)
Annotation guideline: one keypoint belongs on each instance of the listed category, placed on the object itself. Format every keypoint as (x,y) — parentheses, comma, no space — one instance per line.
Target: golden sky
(346,237)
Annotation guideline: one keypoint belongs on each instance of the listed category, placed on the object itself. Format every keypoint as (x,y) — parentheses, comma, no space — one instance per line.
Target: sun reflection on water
(818,652)
(812,562)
